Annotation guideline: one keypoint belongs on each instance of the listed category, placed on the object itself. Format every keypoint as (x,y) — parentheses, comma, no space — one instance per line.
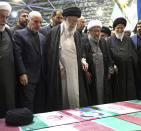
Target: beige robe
(68,59)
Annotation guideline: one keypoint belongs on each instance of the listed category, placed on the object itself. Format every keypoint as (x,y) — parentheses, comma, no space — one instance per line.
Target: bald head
(34,21)
(81,23)
(33,14)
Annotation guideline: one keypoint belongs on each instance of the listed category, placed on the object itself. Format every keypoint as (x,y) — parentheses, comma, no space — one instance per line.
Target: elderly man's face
(139,29)
(23,19)
(3,18)
(58,18)
(95,32)
(119,28)
(72,21)
(35,23)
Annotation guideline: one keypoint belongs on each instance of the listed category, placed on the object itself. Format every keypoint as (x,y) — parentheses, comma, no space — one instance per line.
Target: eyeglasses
(3,16)
(95,31)
(71,20)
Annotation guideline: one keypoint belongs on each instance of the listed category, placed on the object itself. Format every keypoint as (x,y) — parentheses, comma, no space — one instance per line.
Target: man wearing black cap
(63,63)
(105,32)
(124,59)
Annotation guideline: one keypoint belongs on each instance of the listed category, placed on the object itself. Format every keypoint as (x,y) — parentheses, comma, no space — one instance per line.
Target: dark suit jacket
(28,55)
(45,30)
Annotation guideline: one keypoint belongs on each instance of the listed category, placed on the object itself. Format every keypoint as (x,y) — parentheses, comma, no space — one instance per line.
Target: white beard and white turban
(4,6)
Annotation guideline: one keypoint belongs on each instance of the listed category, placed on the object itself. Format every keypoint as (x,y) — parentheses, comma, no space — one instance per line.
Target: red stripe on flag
(130,118)
(129,104)
(4,127)
(91,126)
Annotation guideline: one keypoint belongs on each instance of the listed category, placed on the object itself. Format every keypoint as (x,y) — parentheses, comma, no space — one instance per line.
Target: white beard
(93,38)
(68,30)
(2,28)
(119,35)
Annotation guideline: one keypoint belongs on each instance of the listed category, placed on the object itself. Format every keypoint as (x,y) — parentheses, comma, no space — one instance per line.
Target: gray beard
(93,39)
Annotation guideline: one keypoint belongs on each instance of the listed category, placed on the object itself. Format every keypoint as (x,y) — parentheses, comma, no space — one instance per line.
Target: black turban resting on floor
(119,20)
(18,117)
(72,11)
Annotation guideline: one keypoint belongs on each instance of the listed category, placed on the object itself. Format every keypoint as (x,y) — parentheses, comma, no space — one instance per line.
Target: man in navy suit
(28,60)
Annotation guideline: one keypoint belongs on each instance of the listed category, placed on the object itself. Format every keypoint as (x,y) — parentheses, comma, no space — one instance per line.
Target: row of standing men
(62,68)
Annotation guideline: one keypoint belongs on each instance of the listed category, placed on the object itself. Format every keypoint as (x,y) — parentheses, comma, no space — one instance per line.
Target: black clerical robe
(124,55)
(88,53)
(52,70)
(7,73)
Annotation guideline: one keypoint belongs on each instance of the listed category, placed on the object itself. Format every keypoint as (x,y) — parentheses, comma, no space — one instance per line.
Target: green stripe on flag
(118,124)
(138,114)
(135,101)
(37,124)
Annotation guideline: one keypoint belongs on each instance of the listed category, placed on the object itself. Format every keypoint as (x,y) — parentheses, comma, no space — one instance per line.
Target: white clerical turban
(94,23)
(5,6)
